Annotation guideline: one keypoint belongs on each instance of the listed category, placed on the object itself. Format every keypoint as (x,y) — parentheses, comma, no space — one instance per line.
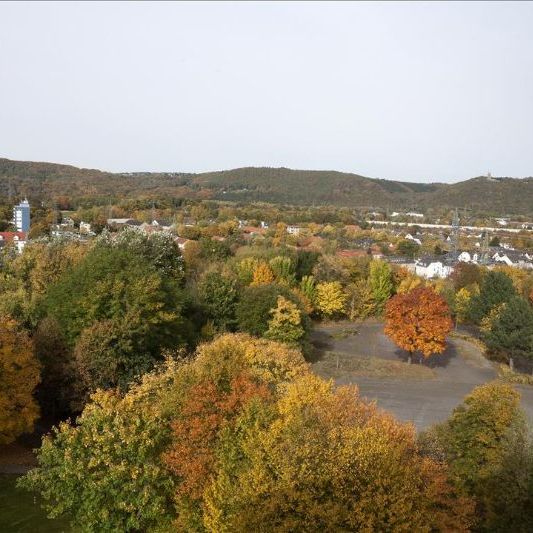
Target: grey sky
(416,91)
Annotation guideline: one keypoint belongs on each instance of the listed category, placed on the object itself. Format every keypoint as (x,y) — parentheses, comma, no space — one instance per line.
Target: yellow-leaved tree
(19,375)
(462,305)
(263,274)
(321,459)
(286,322)
(330,299)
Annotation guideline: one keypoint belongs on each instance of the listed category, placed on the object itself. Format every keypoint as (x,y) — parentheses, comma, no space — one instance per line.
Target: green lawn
(21,513)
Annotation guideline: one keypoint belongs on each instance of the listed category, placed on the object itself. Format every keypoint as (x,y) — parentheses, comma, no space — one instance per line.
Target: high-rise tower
(21,216)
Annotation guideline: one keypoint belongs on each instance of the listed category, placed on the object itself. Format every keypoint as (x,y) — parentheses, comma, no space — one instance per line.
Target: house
(409,237)
(433,267)
(123,222)
(17,238)
(403,261)
(162,224)
(513,258)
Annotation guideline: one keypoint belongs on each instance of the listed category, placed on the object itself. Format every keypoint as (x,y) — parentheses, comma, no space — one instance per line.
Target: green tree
(105,472)
(283,269)
(218,295)
(511,332)
(496,288)
(253,309)
(408,248)
(380,280)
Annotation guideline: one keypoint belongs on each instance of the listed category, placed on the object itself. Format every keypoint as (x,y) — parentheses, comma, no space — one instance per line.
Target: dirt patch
(336,365)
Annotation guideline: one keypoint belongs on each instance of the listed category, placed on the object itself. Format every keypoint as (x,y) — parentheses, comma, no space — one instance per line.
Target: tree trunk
(511,363)
(409,358)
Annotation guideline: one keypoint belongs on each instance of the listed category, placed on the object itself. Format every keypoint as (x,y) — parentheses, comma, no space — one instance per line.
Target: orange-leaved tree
(418,320)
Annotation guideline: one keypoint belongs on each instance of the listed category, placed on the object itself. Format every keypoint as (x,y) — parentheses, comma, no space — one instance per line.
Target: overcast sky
(414,91)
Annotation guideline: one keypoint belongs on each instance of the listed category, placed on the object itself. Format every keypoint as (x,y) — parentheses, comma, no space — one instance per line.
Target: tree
(360,300)
(159,249)
(408,248)
(58,386)
(330,299)
(496,288)
(474,441)
(218,295)
(19,375)
(511,331)
(286,322)
(263,275)
(192,455)
(319,460)
(463,298)
(308,287)
(418,321)
(253,309)
(380,280)
(106,471)
(305,261)
(283,269)
(111,282)
(465,275)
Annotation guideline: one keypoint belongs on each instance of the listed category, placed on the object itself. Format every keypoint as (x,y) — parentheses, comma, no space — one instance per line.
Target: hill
(47,181)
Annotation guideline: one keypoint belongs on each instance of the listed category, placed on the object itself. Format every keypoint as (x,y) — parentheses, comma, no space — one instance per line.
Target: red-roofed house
(18,238)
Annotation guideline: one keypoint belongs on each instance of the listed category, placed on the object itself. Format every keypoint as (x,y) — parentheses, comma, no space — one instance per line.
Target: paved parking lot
(424,402)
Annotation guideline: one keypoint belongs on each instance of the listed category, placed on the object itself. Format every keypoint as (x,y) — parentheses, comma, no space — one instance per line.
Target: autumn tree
(286,322)
(263,275)
(105,472)
(380,280)
(463,299)
(418,321)
(319,460)
(465,275)
(208,408)
(330,299)
(476,440)
(359,300)
(19,375)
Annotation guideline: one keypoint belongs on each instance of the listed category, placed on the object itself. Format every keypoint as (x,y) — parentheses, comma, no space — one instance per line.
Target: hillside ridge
(280,185)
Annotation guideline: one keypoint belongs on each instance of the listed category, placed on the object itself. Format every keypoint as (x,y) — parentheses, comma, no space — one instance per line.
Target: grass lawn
(335,365)
(21,513)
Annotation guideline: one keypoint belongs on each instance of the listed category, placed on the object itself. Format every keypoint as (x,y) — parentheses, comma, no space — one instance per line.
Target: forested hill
(277,185)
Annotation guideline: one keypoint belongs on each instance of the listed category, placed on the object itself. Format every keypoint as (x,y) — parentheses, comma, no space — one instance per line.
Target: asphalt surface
(422,402)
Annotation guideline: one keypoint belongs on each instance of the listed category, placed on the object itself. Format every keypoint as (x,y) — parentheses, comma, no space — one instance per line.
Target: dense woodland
(46,182)
(183,399)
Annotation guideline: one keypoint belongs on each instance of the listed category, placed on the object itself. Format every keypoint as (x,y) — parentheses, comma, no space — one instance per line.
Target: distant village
(430,250)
